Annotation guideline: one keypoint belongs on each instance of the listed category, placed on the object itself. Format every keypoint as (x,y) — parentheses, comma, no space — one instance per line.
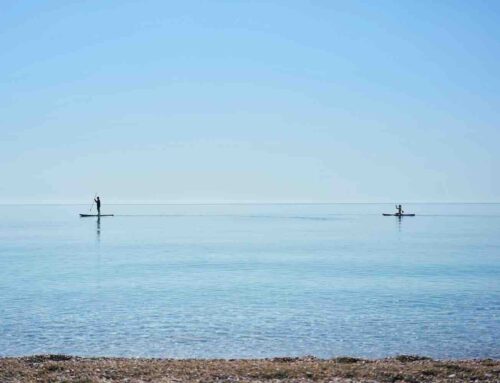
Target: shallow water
(251,280)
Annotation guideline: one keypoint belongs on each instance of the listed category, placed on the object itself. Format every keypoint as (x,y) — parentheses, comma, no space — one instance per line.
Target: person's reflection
(98,228)
(98,252)
(399,222)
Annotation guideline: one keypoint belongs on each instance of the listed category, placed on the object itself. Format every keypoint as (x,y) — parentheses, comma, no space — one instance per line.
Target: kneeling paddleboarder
(399,212)
(399,207)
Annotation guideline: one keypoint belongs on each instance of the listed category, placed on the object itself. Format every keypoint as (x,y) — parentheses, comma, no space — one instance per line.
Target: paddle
(93,200)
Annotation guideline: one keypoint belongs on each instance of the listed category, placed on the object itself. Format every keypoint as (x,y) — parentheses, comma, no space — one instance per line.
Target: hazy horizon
(80,203)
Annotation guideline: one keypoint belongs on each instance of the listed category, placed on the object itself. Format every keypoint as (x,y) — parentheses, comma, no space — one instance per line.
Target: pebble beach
(62,368)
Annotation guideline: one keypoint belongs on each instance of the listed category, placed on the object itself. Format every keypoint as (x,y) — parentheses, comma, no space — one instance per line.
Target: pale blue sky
(264,101)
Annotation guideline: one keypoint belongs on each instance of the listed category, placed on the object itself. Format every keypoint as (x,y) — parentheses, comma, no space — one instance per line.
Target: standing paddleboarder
(97,201)
(98,204)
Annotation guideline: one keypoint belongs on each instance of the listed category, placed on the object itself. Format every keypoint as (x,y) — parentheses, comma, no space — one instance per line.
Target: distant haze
(243,101)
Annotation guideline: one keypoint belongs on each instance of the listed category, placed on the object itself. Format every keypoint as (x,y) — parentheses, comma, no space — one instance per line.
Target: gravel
(404,368)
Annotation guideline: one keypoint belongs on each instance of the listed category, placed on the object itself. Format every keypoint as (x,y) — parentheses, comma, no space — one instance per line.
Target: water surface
(251,280)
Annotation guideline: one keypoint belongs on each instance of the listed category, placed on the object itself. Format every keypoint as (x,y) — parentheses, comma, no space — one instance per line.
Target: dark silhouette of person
(400,209)
(98,203)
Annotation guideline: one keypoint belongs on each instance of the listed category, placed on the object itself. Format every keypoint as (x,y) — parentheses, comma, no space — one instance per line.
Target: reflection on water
(98,228)
(251,281)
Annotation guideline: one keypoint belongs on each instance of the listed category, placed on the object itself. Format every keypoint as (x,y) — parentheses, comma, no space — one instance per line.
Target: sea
(251,281)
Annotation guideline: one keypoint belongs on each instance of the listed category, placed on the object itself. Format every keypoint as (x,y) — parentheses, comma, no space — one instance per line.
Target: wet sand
(61,368)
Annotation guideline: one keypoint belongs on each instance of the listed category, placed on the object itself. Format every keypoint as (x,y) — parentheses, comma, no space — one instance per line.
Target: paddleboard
(96,215)
(398,215)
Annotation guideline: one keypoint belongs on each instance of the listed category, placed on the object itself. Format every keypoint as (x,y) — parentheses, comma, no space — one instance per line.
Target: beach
(62,368)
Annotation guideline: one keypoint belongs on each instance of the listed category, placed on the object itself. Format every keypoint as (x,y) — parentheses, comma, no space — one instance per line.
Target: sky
(249,101)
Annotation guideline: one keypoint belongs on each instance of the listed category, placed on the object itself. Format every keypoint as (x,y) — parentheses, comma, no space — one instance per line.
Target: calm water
(251,281)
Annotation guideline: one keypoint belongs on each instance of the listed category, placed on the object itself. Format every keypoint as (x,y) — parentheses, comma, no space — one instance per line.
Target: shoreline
(403,368)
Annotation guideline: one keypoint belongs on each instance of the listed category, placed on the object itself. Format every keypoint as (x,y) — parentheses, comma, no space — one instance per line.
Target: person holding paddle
(98,204)
(97,201)
(399,207)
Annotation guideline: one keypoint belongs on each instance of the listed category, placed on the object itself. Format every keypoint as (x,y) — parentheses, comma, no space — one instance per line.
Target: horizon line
(251,203)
